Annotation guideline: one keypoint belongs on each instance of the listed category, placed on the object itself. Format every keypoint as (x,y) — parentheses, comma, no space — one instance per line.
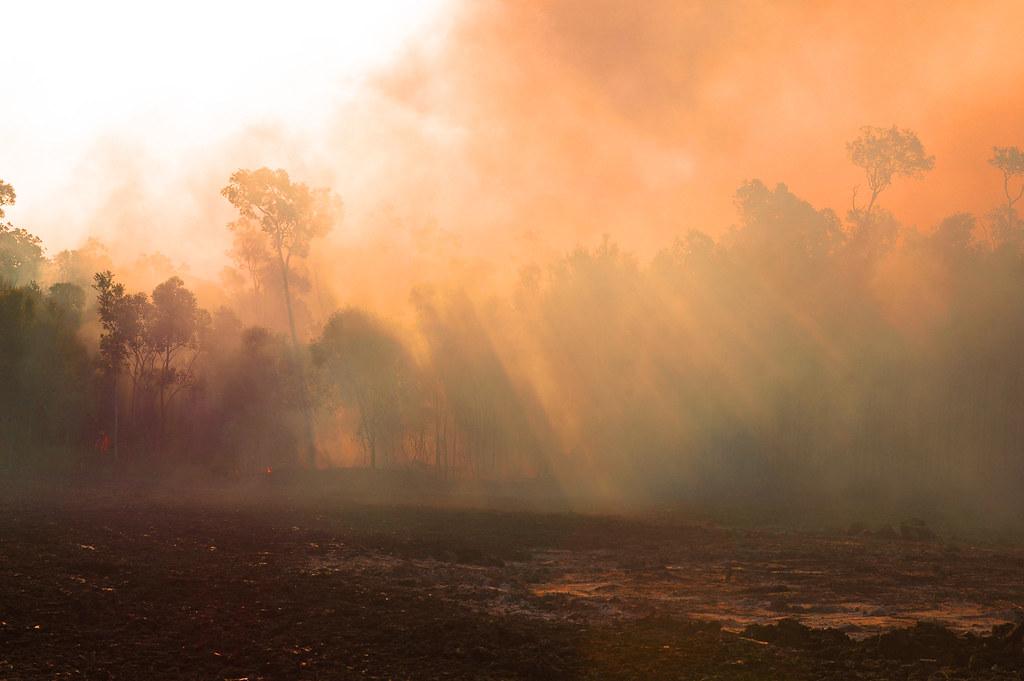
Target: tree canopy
(885,154)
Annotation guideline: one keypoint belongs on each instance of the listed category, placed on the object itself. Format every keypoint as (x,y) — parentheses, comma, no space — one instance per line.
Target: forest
(512,340)
(806,355)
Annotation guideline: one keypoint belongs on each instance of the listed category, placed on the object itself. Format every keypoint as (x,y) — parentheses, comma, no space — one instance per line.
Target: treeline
(804,357)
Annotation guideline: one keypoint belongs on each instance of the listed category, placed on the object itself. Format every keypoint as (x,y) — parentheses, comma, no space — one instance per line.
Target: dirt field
(144,588)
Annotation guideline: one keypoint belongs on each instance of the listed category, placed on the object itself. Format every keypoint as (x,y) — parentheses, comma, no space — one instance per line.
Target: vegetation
(800,359)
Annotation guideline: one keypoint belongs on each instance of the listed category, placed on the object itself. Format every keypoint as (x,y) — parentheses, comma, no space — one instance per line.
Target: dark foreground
(147,589)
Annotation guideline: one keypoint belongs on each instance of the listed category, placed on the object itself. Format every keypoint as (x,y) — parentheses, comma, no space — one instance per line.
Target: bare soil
(138,587)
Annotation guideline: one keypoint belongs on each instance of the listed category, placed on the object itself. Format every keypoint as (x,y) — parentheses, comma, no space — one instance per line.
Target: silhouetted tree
(1010,162)
(782,232)
(885,154)
(77,266)
(120,324)
(250,249)
(45,368)
(44,393)
(290,213)
(21,253)
(174,332)
(366,367)
(7,197)
(258,422)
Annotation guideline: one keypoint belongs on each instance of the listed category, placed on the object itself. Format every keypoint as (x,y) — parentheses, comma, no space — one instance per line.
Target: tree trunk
(871,203)
(163,401)
(307,415)
(116,425)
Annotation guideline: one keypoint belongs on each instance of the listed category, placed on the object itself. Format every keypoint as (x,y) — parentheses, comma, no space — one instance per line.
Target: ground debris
(387,592)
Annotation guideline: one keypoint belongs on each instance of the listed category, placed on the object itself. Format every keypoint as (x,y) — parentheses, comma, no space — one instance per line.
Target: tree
(78,266)
(782,232)
(363,365)
(1010,161)
(135,317)
(21,254)
(44,392)
(112,304)
(250,249)
(174,333)
(259,424)
(885,154)
(290,213)
(7,197)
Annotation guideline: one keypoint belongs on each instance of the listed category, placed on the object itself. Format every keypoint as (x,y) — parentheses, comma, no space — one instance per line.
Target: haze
(551,222)
(512,339)
(683,102)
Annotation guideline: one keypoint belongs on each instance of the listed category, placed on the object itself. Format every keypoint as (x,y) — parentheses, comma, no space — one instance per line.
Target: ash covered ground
(105,584)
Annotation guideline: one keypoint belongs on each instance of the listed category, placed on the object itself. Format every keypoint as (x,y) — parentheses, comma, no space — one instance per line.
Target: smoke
(509,134)
(564,120)
(506,133)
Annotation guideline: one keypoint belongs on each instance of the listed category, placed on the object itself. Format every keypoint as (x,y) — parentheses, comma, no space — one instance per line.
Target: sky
(522,128)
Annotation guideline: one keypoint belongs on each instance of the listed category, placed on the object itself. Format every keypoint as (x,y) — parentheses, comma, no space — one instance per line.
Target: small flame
(269,470)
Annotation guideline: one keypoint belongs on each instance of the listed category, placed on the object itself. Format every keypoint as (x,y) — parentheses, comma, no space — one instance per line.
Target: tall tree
(1009,161)
(21,253)
(174,334)
(21,256)
(250,249)
(292,215)
(365,366)
(7,197)
(115,312)
(45,370)
(885,154)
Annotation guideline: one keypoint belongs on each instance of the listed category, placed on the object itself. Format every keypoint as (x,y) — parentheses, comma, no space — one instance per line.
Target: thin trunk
(307,415)
(288,297)
(116,425)
(161,427)
(437,445)
(871,203)
(1009,200)
(132,407)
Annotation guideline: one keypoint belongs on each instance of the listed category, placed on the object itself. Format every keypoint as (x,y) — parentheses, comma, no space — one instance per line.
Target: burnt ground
(138,587)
